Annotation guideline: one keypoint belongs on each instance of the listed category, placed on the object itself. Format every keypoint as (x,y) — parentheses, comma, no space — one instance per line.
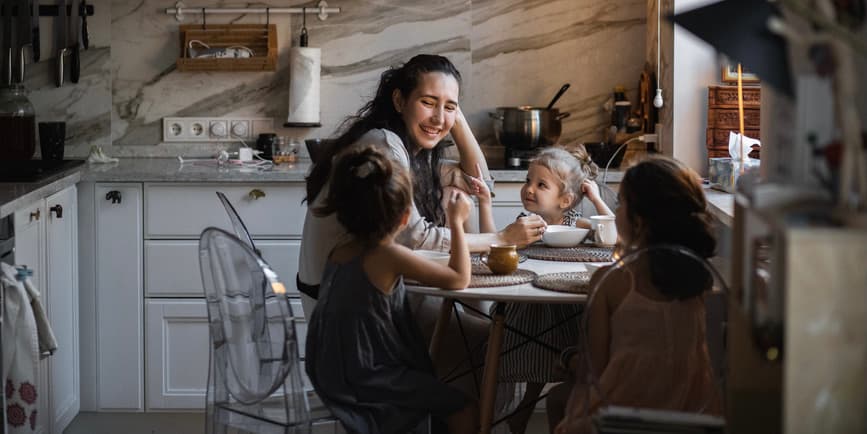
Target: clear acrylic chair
(237,224)
(255,374)
(698,329)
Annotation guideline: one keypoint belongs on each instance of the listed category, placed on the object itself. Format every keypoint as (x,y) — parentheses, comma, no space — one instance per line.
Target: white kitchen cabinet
(112,321)
(46,241)
(177,354)
(506,204)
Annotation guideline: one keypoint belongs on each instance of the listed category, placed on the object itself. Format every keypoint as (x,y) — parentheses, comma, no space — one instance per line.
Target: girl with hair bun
(646,324)
(365,354)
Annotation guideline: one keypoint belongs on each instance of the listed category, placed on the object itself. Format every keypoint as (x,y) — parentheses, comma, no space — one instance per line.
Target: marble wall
(510,52)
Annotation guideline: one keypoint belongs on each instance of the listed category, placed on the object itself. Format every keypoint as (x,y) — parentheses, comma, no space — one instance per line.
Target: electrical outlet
(225,129)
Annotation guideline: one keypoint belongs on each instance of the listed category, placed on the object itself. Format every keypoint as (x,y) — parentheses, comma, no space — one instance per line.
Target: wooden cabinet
(47,242)
(722,116)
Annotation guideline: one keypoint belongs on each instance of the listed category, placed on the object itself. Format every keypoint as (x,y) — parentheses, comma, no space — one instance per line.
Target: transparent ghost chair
(237,224)
(255,374)
(665,345)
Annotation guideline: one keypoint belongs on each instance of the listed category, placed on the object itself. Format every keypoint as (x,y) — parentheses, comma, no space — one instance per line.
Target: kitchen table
(523,293)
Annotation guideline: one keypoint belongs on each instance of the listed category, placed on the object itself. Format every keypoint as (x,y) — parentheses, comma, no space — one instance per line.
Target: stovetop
(34,170)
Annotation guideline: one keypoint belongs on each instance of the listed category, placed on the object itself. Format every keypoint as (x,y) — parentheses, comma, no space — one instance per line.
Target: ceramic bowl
(434,255)
(563,236)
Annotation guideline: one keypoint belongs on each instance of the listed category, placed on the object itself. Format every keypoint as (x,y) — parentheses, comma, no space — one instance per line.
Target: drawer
(720,137)
(727,96)
(728,118)
(172,266)
(184,210)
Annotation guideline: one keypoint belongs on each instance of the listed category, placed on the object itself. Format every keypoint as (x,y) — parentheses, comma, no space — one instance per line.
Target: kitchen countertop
(721,205)
(14,195)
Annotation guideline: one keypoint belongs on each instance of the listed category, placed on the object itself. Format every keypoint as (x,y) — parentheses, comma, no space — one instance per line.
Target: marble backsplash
(510,52)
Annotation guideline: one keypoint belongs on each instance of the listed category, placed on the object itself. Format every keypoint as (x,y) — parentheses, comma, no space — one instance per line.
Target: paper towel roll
(304,69)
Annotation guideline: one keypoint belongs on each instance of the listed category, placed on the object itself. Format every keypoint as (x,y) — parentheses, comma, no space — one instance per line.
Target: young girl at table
(366,357)
(646,323)
(557,180)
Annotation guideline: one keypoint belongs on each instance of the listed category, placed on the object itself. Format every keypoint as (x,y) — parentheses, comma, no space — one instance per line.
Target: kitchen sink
(34,170)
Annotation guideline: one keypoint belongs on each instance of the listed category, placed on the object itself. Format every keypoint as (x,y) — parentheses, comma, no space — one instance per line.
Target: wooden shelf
(261,39)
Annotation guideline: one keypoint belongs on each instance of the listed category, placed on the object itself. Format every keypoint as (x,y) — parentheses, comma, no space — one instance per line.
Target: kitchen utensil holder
(262,39)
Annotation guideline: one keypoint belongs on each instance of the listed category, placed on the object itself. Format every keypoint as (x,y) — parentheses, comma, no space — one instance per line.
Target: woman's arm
(468,147)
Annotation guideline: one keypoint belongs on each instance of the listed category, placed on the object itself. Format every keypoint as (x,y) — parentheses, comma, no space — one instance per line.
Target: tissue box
(723,173)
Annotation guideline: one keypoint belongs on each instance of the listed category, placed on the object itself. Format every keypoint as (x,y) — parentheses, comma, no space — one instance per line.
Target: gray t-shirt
(322,234)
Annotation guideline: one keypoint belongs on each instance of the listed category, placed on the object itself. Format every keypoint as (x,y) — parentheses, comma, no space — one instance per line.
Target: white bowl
(563,236)
(435,255)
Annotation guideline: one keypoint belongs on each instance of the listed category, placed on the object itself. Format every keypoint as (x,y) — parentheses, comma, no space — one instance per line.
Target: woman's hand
(458,209)
(591,190)
(524,231)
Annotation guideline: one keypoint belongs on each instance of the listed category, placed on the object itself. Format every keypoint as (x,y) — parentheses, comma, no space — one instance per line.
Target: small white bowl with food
(563,236)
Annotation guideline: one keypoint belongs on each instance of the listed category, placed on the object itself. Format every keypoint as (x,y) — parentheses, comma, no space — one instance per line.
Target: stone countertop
(171,170)
(721,205)
(14,195)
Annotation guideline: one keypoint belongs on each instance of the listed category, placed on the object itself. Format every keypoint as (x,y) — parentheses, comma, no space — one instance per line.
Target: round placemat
(482,277)
(570,254)
(575,282)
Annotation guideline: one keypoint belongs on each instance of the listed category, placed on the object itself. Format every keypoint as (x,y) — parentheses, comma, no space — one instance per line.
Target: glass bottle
(17,124)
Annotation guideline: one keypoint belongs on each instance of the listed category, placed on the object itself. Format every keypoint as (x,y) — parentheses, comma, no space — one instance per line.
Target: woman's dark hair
(665,204)
(380,113)
(371,194)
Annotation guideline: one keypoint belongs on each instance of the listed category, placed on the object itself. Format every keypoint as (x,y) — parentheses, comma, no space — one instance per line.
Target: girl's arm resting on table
(457,274)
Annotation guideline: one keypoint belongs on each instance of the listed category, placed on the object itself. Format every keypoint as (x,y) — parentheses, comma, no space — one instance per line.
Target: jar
(286,150)
(17,124)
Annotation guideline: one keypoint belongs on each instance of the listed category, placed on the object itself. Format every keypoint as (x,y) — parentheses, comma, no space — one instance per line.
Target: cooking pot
(527,127)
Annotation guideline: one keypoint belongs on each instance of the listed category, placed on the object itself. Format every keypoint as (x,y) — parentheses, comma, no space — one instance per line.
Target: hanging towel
(47,341)
(20,354)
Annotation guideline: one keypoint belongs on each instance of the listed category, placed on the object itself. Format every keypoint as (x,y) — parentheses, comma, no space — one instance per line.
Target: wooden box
(722,116)
(261,39)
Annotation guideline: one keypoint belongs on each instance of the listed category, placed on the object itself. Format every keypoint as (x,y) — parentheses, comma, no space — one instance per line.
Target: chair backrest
(608,195)
(237,224)
(669,266)
(254,347)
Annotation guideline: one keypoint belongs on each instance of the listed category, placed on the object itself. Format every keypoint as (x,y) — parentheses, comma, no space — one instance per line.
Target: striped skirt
(530,362)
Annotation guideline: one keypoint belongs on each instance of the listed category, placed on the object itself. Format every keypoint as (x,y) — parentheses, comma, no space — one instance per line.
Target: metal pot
(527,127)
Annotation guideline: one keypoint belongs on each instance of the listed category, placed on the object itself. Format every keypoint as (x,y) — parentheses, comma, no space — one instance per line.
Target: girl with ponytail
(365,354)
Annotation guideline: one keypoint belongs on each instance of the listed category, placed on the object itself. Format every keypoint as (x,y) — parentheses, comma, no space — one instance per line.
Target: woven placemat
(482,277)
(570,254)
(575,282)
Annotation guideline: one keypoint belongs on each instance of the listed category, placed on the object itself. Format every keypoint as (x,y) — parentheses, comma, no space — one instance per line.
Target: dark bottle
(266,143)
(17,124)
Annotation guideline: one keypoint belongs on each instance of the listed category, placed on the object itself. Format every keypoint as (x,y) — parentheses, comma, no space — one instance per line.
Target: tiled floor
(185,423)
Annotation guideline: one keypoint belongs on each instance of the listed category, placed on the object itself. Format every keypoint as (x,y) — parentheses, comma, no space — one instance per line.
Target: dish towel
(20,354)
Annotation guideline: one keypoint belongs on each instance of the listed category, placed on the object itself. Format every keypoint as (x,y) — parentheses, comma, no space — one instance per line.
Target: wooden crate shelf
(260,38)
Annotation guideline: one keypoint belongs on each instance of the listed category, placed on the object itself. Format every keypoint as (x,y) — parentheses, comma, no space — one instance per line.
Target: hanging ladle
(556,97)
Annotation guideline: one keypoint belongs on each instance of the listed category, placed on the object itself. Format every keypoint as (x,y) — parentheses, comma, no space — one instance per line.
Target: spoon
(556,97)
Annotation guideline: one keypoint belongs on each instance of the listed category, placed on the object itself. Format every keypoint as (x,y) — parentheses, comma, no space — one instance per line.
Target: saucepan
(527,127)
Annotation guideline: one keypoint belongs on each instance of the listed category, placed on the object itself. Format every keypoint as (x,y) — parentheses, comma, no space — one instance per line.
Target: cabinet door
(29,224)
(177,354)
(119,298)
(61,297)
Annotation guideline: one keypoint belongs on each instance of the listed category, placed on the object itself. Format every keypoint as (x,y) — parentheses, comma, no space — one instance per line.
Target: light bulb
(657,100)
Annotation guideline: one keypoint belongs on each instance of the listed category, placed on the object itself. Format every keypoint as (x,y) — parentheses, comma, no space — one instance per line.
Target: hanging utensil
(74,29)
(34,30)
(61,46)
(556,97)
(85,38)
(23,38)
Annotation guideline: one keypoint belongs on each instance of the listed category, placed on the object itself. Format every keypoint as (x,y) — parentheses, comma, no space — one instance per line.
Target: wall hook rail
(322,10)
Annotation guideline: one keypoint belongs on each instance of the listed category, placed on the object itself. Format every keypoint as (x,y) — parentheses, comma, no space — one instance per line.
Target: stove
(519,158)
(34,170)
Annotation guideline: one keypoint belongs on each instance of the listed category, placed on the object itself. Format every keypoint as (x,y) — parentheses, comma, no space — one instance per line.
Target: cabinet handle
(114,196)
(58,210)
(35,215)
(256,194)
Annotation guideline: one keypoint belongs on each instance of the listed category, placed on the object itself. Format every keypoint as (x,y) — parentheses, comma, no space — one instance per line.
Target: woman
(415,107)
